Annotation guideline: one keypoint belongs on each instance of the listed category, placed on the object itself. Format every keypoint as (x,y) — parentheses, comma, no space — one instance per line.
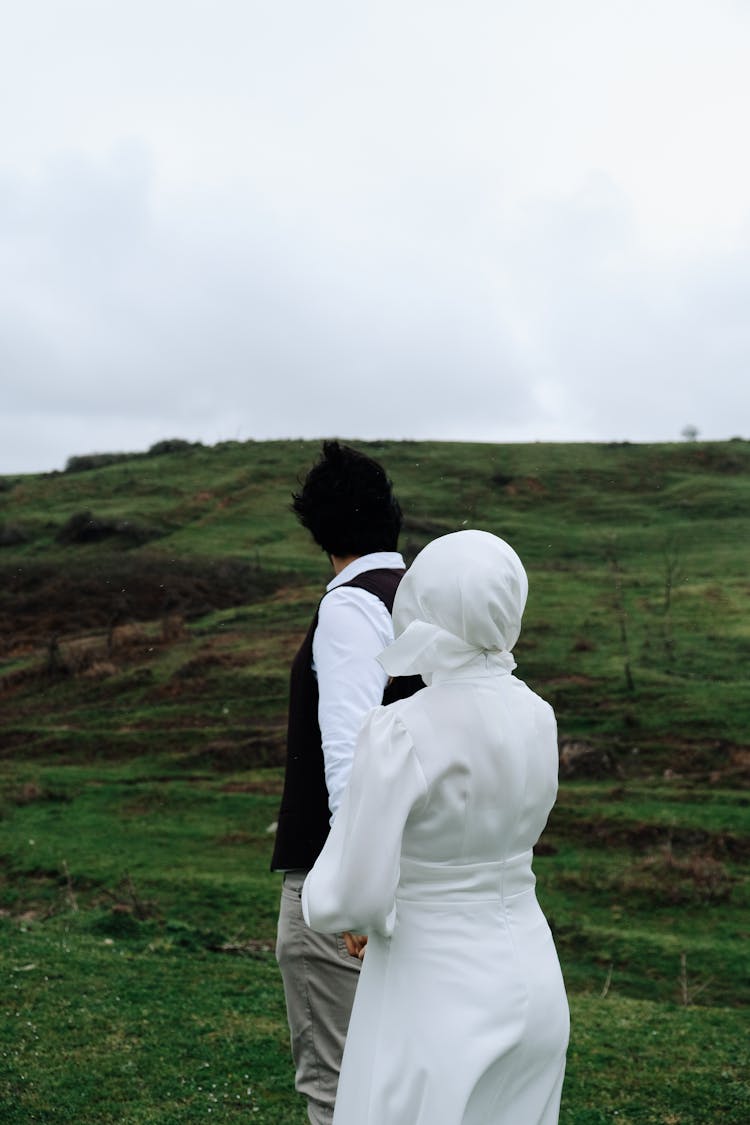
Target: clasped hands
(355,944)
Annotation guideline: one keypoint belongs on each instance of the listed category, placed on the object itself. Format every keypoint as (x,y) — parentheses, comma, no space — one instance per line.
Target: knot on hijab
(461,600)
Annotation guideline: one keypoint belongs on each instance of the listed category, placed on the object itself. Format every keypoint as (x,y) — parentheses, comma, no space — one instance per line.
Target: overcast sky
(485,220)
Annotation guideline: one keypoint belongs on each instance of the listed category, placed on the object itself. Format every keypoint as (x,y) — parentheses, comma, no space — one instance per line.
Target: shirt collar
(378,560)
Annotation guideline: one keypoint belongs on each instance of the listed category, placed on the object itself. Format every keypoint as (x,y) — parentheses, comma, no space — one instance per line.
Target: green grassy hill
(149,608)
(165,593)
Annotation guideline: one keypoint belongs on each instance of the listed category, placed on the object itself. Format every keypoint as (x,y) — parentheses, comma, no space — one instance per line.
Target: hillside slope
(154,602)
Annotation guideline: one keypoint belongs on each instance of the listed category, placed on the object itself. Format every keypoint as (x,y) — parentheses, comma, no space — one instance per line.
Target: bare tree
(690,432)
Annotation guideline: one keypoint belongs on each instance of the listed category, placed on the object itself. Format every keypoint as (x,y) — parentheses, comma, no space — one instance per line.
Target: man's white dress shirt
(353,628)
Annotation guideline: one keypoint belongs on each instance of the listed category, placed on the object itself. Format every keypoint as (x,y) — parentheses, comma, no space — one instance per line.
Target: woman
(460,1016)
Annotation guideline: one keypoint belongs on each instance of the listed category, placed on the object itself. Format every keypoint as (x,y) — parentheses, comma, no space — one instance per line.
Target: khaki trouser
(320,978)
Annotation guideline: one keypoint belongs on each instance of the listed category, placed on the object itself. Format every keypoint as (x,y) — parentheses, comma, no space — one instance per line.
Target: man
(347,505)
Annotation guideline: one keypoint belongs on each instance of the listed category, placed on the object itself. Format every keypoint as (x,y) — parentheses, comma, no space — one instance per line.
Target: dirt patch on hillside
(39,600)
(642,836)
(708,762)
(267,787)
(254,751)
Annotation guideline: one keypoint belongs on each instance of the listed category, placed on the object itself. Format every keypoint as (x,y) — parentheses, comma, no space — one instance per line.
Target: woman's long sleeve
(353,883)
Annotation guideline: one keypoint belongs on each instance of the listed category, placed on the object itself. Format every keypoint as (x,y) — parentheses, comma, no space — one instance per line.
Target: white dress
(460,1016)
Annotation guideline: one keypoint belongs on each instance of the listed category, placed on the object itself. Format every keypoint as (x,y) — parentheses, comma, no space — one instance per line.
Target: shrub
(84,527)
(88,461)
(172,445)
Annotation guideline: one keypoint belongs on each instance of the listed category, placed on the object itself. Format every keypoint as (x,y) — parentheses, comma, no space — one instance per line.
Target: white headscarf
(458,607)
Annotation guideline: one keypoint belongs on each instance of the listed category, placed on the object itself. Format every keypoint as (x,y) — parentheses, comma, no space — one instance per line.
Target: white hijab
(458,609)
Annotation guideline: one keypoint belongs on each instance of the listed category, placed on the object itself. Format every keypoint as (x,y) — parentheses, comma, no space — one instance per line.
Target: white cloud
(489,221)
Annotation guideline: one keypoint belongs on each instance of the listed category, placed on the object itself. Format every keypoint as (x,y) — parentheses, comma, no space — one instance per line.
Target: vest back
(304,814)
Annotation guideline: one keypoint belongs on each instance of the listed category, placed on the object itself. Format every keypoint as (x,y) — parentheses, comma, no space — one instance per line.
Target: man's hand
(355,943)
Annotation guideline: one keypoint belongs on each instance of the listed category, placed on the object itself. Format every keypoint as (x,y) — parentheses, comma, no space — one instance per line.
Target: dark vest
(304,814)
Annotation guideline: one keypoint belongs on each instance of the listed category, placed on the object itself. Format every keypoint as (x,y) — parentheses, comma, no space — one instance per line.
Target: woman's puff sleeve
(353,883)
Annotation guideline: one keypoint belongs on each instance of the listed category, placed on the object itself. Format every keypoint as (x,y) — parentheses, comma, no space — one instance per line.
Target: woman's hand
(355,943)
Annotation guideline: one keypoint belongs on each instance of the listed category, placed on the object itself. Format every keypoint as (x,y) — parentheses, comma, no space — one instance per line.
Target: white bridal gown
(460,1016)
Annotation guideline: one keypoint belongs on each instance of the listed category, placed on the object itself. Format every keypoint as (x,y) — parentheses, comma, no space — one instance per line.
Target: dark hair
(347,504)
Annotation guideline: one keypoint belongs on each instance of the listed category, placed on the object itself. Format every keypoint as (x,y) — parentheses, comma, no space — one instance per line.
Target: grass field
(140,984)
(142,693)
